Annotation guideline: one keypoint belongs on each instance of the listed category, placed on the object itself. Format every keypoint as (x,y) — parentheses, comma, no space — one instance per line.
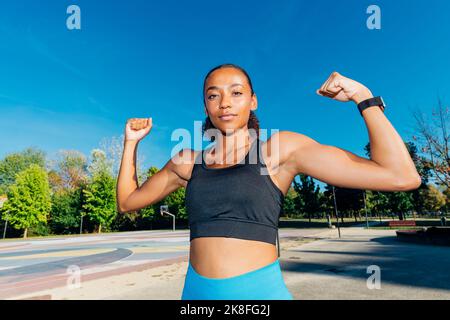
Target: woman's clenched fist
(344,89)
(137,128)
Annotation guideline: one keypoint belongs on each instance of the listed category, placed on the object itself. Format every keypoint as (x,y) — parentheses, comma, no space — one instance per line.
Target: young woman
(233,208)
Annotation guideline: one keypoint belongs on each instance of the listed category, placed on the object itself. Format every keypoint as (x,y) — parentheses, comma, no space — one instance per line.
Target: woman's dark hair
(253,122)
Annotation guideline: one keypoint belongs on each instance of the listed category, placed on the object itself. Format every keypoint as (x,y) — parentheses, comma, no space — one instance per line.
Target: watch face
(381,103)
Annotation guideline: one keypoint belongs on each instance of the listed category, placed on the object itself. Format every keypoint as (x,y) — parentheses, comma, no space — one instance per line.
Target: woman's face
(227,91)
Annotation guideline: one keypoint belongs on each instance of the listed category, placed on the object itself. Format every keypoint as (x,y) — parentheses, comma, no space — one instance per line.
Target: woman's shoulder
(281,146)
(186,156)
(183,162)
(286,140)
(285,135)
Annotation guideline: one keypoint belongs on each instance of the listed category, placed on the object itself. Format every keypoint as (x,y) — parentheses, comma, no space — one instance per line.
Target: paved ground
(28,266)
(338,268)
(33,265)
(316,264)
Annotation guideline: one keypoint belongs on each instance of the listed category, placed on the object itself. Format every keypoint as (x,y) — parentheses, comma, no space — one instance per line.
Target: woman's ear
(254,103)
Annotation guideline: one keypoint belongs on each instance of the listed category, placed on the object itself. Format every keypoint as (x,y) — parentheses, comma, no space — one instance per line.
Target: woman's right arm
(131,197)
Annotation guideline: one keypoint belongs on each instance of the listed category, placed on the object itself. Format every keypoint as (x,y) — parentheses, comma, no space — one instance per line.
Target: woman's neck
(232,147)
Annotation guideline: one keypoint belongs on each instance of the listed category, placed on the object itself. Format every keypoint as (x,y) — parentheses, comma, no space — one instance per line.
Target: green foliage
(400,203)
(377,202)
(176,203)
(29,201)
(309,200)
(128,222)
(390,202)
(42,229)
(446,207)
(328,200)
(14,163)
(350,201)
(99,163)
(433,199)
(100,200)
(289,203)
(66,211)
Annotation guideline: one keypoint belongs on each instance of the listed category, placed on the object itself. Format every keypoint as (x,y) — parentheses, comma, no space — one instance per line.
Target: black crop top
(237,201)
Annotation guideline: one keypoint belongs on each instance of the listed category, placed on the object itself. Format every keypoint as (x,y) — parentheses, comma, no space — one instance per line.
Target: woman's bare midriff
(219,257)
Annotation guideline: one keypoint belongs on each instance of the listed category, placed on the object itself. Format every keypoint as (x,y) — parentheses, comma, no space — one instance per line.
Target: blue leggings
(265,283)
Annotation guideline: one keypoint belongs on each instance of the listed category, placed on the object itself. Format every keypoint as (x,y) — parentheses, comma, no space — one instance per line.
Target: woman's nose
(225,103)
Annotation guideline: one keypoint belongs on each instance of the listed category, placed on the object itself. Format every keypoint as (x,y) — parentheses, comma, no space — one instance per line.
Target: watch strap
(375,101)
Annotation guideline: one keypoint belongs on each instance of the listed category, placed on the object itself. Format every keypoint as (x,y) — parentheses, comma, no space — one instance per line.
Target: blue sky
(69,89)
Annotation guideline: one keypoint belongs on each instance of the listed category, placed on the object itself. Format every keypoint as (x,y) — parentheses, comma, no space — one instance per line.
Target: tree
(377,202)
(434,139)
(100,200)
(328,200)
(289,202)
(14,163)
(350,201)
(308,200)
(447,200)
(176,203)
(100,193)
(400,202)
(69,172)
(113,149)
(99,163)
(434,199)
(29,200)
(424,170)
(65,216)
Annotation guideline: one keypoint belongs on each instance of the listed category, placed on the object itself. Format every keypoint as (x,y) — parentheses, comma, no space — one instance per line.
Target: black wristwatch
(376,101)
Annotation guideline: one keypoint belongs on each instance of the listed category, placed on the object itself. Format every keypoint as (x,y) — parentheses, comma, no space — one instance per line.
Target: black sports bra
(238,201)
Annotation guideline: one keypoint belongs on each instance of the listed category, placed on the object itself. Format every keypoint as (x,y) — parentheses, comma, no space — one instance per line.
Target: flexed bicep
(339,167)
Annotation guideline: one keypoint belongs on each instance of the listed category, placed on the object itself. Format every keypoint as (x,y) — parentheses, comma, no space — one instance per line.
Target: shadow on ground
(400,263)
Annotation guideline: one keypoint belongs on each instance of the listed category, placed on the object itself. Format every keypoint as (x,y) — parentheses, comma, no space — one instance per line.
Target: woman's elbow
(122,208)
(408,184)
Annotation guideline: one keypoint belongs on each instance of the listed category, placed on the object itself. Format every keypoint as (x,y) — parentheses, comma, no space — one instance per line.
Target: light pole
(4,231)
(365,208)
(6,220)
(378,202)
(81,224)
(337,216)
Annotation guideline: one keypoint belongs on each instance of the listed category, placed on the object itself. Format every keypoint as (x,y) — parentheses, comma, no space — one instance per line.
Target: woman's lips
(227,117)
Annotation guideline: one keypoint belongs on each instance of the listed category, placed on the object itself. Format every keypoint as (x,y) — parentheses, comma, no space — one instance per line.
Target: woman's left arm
(390,167)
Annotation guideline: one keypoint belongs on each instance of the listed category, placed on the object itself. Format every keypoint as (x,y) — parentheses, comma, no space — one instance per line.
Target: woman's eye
(212,96)
(237,93)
